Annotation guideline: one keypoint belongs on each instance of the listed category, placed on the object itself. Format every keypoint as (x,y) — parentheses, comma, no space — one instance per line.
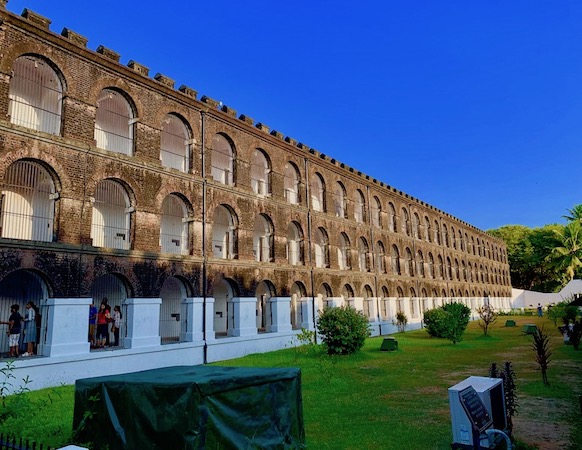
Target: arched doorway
(18,288)
(265,290)
(172,293)
(114,291)
(223,292)
(297,291)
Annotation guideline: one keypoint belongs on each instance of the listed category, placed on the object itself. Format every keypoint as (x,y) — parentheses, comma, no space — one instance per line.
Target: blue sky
(473,107)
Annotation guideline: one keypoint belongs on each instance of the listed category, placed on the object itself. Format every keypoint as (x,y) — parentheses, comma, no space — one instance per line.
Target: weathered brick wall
(70,264)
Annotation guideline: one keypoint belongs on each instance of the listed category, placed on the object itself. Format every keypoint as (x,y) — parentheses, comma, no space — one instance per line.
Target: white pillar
(306,307)
(243,316)
(193,312)
(143,322)
(68,326)
(280,314)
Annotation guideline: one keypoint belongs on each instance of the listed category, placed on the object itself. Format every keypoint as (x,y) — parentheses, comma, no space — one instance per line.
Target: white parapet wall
(521,298)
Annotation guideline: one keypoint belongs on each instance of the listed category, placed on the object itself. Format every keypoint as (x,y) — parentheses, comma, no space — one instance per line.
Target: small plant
(401,321)
(343,329)
(487,317)
(13,401)
(507,374)
(542,349)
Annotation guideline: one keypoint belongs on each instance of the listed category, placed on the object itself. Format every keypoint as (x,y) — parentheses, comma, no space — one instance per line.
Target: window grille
(260,169)
(174,226)
(363,255)
(340,200)
(376,213)
(175,144)
(111,216)
(114,123)
(223,234)
(380,258)
(222,160)
(294,245)
(360,207)
(395,259)
(36,96)
(317,193)
(291,184)
(321,248)
(262,240)
(344,252)
(28,203)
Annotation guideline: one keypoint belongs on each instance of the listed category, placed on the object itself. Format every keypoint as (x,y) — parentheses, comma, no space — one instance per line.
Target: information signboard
(475,409)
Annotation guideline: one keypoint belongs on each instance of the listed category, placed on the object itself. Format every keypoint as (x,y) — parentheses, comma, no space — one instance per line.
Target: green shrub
(343,330)
(435,322)
(401,321)
(562,312)
(449,322)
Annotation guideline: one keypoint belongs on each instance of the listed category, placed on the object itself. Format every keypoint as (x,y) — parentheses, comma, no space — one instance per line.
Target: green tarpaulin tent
(192,407)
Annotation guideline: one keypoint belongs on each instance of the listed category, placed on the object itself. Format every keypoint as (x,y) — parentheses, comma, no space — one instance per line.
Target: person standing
(540,313)
(92,323)
(103,318)
(14,327)
(29,329)
(116,324)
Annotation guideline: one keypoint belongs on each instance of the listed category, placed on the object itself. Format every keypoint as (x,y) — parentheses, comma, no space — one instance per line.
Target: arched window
(461,242)
(456,269)
(380,257)
(114,122)
(35,95)
(295,253)
(453,238)
(359,207)
(399,299)
(409,266)
(317,186)
(321,247)
(405,222)
(437,232)
(260,173)
(416,226)
(174,226)
(263,239)
(446,236)
(420,264)
(363,255)
(344,252)
(440,268)
(340,200)
(464,269)
(392,224)
(376,212)
(224,233)
(431,269)
(222,160)
(395,260)
(472,245)
(111,218)
(291,183)
(27,204)
(449,269)
(427,230)
(175,144)
(347,291)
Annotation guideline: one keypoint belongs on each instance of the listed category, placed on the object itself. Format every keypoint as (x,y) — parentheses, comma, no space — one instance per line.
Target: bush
(401,321)
(435,322)
(343,329)
(449,321)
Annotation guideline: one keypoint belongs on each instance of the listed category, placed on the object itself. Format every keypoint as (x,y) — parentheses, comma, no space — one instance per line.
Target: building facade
(115,184)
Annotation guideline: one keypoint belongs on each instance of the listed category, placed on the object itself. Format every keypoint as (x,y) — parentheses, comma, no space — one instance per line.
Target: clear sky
(473,107)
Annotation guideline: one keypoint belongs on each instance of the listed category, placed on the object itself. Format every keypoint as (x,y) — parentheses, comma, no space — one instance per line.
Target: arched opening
(377,213)
(295,255)
(111,218)
(321,247)
(344,252)
(265,290)
(35,95)
(222,160)
(359,207)
(260,173)
(174,226)
(363,255)
(291,183)
(112,290)
(262,239)
(223,292)
(28,203)
(317,187)
(340,201)
(297,291)
(18,288)
(173,292)
(224,233)
(175,144)
(114,122)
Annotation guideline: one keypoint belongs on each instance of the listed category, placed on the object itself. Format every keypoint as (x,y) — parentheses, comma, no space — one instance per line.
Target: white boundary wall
(66,355)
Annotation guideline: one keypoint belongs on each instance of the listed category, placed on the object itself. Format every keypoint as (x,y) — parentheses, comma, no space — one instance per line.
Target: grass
(379,399)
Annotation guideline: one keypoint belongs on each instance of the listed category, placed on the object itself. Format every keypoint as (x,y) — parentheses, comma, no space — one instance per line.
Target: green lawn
(388,400)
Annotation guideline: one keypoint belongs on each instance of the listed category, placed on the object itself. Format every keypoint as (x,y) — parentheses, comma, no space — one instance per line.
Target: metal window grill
(174,226)
(291,184)
(222,160)
(260,173)
(359,207)
(114,123)
(111,216)
(223,234)
(175,144)
(27,203)
(317,193)
(340,201)
(35,97)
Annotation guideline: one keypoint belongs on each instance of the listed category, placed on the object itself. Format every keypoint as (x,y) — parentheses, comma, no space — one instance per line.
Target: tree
(487,317)
(448,321)
(574,214)
(566,257)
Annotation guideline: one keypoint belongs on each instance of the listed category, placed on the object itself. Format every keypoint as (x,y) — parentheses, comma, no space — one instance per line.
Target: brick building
(116,184)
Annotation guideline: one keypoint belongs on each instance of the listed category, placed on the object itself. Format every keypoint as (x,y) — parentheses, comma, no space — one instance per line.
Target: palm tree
(575,214)
(567,255)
